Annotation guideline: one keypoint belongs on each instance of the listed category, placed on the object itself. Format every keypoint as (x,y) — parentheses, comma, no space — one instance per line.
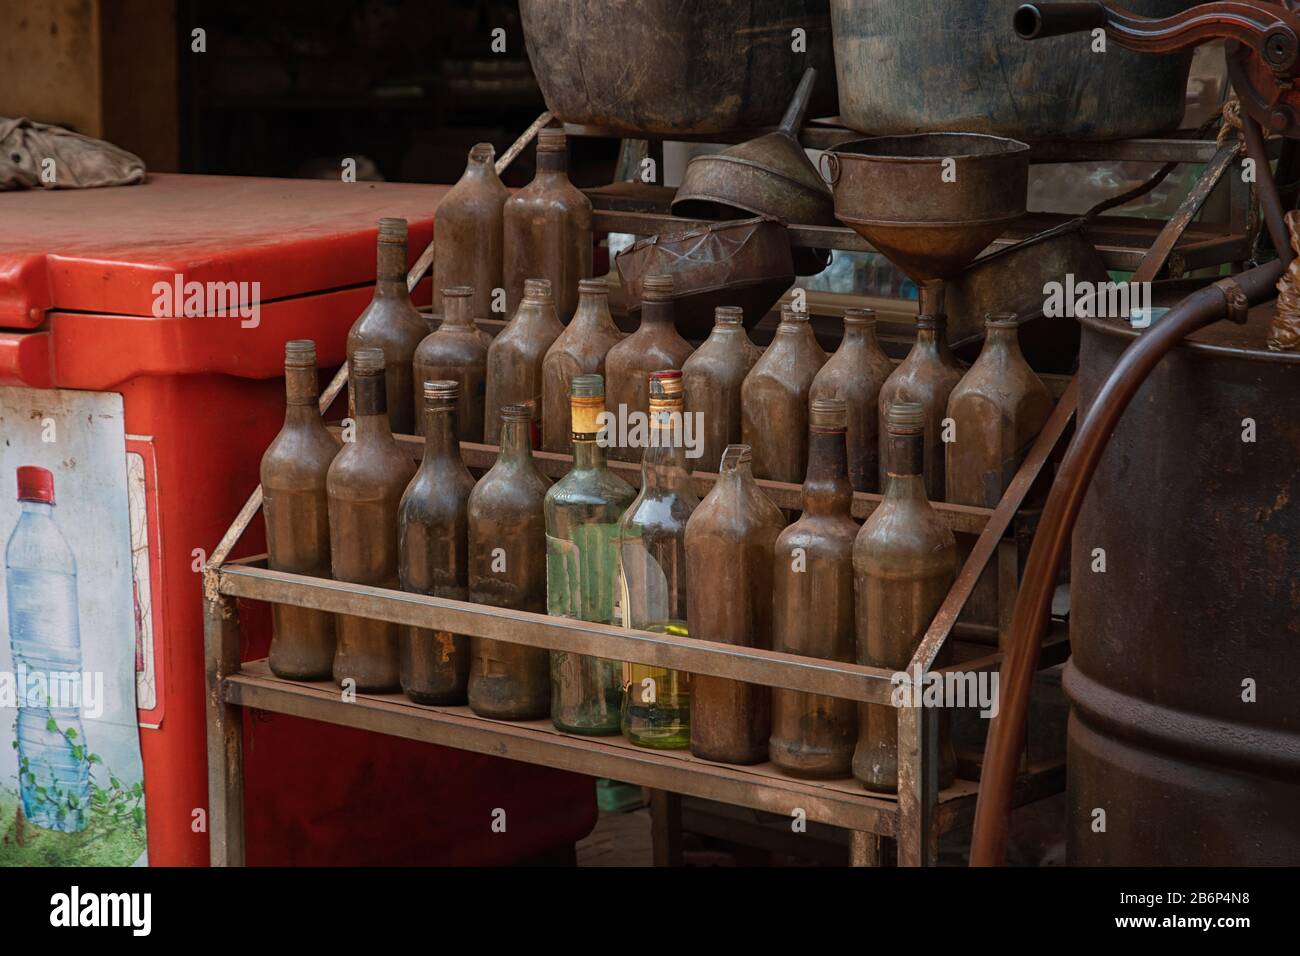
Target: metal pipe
(1033,604)
(1270,203)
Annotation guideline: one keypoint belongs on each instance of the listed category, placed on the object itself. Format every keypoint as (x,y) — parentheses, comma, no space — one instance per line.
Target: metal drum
(1185,718)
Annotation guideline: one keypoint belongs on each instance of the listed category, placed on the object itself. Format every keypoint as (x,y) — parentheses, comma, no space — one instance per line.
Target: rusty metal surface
(661,67)
(1160,734)
(729,545)
(746,263)
(930,203)
(768,176)
(1012,280)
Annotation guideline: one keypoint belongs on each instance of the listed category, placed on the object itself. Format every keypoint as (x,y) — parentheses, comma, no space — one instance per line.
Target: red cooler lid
(35,484)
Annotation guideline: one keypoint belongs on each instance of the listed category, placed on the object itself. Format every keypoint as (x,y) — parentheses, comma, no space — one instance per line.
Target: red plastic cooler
(203,396)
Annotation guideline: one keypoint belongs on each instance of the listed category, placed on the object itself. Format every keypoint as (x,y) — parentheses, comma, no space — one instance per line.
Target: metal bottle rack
(920,812)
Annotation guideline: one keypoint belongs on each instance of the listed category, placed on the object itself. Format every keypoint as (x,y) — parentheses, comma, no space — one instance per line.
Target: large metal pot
(929,65)
(666,67)
(1184,727)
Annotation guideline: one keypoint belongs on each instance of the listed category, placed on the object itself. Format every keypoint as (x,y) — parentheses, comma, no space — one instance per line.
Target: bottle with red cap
(45,639)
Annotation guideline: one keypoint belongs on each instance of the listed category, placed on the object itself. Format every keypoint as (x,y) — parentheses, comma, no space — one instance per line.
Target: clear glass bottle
(729,545)
(469,231)
(856,373)
(712,378)
(774,399)
(652,571)
(507,568)
(927,376)
(365,484)
(296,510)
(457,352)
(514,360)
(548,229)
(997,409)
(904,564)
(654,345)
(582,580)
(392,323)
(580,350)
(433,552)
(813,735)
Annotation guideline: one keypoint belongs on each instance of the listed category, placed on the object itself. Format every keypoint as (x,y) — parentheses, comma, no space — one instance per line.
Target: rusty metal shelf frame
(1123,242)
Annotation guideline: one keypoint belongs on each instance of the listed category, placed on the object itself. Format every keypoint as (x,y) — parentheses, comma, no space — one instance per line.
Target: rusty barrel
(1184,733)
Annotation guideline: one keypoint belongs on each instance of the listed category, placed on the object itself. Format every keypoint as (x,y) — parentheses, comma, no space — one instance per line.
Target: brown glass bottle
(856,373)
(712,377)
(457,352)
(654,346)
(813,610)
(433,552)
(904,563)
(548,229)
(297,518)
(507,568)
(580,350)
(391,323)
(365,485)
(514,360)
(997,409)
(927,376)
(774,399)
(468,229)
(729,541)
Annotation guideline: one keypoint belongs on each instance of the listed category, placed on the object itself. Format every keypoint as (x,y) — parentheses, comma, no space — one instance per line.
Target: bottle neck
(1002,345)
(301,395)
(904,468)
(591,313)
(457,314)
(370,405)
(440,434)
(826,489)
(516,442)
(588,455)
(553,165)
(663,467)
(390,271)
(41,509)
(656,314)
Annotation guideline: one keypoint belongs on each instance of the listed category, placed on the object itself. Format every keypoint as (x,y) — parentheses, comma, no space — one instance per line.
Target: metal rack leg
(225,732)
(869,849)
(666,827)
(918,786)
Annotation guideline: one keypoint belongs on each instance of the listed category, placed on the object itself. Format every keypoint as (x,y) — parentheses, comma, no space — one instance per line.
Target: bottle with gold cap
(468,229)
(655,345)
(927,376)
(774,399)
(365,484)
(856,373)
(457,351)
(729,545)
(813,612)
(582,581)
(507,568)
(580,350)
(433,551)
(548,229)
(296,509)
(514,360)
(391,323)
(997,410)
(653,571)
(904,564)
(712,377)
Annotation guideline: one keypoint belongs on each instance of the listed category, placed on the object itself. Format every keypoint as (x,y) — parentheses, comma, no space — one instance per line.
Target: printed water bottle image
(41,589)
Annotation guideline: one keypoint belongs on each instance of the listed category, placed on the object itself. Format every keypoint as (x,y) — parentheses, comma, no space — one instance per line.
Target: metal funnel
(767,176)
(932,202)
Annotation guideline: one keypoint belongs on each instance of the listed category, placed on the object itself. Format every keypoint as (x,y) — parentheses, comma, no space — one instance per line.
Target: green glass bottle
(582,511)
(652,571)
